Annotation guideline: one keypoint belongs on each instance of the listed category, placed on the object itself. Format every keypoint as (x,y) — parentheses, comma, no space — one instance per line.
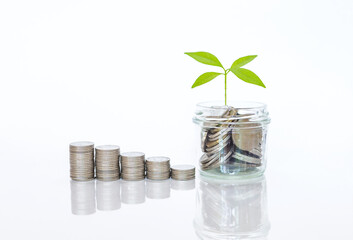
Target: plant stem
(225,87)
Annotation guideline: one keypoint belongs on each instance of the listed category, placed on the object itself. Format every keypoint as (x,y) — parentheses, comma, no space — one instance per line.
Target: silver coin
(245,158)
(108,148)
(132,155)
(248,140)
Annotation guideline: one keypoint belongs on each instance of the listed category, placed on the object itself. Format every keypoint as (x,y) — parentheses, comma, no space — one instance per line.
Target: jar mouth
(235,104)
(235,114)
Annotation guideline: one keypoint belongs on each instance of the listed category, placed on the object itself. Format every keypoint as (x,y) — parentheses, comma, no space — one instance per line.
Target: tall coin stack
(133,166)
(82,161)
(158,168)
(107,162)
(183,172)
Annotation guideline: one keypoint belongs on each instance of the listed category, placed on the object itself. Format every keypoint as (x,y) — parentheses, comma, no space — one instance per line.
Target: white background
(114,72)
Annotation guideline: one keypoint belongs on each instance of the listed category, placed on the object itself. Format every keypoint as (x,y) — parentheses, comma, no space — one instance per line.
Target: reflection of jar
(233,138)
(231,210)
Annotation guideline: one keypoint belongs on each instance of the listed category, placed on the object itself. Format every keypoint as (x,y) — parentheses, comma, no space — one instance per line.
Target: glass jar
(232,139)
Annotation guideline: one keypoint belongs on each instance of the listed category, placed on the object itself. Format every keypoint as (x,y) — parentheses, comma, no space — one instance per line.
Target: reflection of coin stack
(183,172)
(158,189)
(244,203)
(158,168)
(133,166)
(108,195)
(133,192)
(183,185)
(107,162)
(82,161)
(83,200)
(217,141)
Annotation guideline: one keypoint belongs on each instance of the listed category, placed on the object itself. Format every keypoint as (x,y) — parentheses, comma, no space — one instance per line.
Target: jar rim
(235,104)
(254,114)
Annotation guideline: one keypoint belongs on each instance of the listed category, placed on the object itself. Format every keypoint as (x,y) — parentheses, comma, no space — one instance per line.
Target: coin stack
(183,172)
(133,166)
(82,161)
(158,168)
(107,162)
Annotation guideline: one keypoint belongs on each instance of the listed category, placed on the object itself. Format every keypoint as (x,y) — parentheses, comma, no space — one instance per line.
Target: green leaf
(205,58)
(248,76)
(242,61)
(205,78)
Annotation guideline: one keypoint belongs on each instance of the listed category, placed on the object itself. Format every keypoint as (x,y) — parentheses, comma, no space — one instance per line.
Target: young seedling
(236,68)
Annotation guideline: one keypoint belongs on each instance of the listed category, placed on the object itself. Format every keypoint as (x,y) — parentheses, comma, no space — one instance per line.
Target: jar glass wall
(232,139)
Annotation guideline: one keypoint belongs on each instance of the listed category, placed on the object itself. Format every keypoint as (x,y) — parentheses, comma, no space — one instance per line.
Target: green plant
(236,68)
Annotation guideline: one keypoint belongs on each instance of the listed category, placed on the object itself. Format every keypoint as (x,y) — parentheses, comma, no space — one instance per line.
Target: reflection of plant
(236,68)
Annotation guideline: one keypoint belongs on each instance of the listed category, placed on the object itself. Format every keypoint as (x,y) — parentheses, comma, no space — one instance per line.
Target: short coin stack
(107,162)
(158,168)
(183,172)
(133,166)
(82,161)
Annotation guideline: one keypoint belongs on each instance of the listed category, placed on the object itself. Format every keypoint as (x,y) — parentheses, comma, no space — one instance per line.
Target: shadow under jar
(233,139)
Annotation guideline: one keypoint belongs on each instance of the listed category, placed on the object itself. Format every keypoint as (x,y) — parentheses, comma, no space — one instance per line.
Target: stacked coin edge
(107,162)
(132,166)
(183,172)
(158,168)
(82,161)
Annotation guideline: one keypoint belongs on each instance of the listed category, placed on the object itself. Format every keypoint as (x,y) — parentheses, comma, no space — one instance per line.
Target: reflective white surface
(223,210)
(114,72)
(88,196)
(285,203)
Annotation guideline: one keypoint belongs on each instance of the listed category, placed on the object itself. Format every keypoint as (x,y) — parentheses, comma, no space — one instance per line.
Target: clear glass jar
(232,139)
